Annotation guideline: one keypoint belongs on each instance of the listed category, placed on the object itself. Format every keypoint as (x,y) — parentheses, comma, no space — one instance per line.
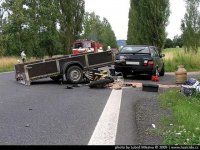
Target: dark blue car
(139,59)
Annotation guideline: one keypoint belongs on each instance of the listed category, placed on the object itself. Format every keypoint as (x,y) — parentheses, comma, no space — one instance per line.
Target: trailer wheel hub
(75,75)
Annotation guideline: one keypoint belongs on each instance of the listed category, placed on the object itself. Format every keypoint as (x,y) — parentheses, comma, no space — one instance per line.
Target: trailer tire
(74,74)
(100,83)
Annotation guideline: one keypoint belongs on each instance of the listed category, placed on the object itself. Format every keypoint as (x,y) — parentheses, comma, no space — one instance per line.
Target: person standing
(23,55)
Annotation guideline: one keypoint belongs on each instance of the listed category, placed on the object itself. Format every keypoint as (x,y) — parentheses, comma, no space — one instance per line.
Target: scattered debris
(150,87)
(134,86)
(128,84)
(76,85)
(69,87)
(154,126)
(190,87)
(116,86)
(100,79)
(27,125)
(155,78)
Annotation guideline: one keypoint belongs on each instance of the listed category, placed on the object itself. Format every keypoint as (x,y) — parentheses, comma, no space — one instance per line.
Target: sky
(116,12)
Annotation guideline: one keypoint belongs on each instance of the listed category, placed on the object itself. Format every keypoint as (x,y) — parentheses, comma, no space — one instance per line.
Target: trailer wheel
(74,74)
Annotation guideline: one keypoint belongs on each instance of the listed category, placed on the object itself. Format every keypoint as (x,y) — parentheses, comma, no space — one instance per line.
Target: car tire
(74,74)
(162,72)
(124,74)
(100,83)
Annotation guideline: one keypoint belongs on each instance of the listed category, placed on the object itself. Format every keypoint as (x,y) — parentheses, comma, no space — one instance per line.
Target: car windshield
(133,49)
(82,45)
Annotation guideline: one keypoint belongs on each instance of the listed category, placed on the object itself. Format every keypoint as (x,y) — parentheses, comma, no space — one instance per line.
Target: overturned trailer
(70,67)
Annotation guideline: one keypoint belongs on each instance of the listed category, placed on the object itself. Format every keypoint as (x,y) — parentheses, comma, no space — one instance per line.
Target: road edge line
(106,129)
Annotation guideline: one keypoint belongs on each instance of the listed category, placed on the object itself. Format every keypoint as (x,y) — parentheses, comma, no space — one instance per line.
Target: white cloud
(116,11)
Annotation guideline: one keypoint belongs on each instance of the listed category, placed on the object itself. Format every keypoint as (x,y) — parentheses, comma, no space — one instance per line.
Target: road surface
(47,113)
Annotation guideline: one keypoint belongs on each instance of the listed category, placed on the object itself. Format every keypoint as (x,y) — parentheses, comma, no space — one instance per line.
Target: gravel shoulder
(149,112)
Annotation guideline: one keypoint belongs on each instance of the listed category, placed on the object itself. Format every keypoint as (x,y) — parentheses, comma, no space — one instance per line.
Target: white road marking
(106,128)
(6,72)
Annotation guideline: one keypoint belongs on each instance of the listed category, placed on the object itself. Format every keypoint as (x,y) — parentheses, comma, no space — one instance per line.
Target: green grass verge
(7,69)
(176,56)
(183,126)
(8,63)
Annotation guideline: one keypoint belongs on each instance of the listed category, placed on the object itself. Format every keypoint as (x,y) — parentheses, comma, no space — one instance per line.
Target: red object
(155,78)
(82,46)
(75,51)
(149,63)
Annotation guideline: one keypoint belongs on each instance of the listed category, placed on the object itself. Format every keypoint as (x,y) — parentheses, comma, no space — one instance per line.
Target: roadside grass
(183,126)
(7,63)
(176,56)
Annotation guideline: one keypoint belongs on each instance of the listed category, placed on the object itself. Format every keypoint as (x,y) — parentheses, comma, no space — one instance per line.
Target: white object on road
(106,128)
(153,125)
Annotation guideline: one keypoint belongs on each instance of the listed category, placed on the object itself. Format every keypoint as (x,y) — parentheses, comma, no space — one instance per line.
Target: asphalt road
(46,113)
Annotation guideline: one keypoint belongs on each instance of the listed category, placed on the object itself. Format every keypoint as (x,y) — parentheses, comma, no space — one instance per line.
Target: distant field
(173,58)
(7,63)
(176,56)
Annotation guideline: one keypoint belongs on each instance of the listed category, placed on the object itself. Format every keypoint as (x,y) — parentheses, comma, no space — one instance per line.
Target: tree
(147,22)
(70,20)
(168,43)
(12,30)
(2,21)
(107,37)
(99,30)
(178,41)
(41,27)
(190,26)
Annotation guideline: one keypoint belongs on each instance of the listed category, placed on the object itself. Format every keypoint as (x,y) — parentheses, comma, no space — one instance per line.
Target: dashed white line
(106,128)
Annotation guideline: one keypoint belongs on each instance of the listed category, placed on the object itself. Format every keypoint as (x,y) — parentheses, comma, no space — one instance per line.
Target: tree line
(49,27)
(148,20)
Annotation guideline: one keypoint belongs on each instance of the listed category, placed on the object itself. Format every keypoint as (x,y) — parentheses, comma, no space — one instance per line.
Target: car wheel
(100,83)
(162,72)
(124,74)
(74,74)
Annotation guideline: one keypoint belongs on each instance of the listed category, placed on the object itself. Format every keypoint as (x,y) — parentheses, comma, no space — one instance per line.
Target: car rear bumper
(135,69)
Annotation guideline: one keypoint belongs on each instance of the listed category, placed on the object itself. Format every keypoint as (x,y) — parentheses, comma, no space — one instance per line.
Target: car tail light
(148,63)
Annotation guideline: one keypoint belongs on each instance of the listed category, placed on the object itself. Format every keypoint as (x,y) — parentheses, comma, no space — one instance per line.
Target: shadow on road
(139,77)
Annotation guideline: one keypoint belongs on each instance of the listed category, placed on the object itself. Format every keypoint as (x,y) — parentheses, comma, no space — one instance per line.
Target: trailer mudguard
(71,63)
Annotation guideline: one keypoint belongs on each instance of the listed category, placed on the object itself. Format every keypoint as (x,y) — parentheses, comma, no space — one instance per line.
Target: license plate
(132,63)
